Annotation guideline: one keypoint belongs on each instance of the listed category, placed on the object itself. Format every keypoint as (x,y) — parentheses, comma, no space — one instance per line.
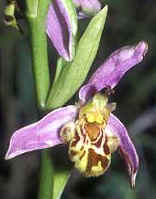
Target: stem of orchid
(36,16)
(46,176)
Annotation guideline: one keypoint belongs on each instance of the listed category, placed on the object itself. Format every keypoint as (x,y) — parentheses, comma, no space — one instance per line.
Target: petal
(42,134)
(87,7)
(113,69)
(76,3)
(126,146)
(62,27)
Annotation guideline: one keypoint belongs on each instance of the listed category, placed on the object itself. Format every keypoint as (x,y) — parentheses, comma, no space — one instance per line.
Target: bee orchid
(89,128)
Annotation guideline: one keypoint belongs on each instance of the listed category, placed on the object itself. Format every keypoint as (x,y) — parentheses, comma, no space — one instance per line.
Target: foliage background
(128,22)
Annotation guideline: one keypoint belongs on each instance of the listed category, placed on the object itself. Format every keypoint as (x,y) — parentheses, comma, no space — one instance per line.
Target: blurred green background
(128,22)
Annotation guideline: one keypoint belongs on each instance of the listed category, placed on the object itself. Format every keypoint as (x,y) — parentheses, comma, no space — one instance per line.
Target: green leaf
(59,181)
(74,73)
(60,64)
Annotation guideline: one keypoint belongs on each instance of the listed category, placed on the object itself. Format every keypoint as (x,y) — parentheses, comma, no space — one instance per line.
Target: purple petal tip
(113,69)
(142,48)
(42,134)
(133,178)
(87,7)
(127,148)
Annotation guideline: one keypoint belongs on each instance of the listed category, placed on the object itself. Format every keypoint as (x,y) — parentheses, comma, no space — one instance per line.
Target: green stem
(46,176)
(36,15)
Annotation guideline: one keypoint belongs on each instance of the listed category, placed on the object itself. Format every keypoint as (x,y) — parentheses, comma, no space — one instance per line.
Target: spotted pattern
(90,146)
(89,150)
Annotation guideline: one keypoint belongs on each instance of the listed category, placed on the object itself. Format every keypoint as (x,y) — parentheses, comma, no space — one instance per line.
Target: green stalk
(46,176)
(36,16)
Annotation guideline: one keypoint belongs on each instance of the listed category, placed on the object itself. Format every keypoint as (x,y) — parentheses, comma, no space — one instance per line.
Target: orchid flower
(61,23)
(89,128)
(87,7)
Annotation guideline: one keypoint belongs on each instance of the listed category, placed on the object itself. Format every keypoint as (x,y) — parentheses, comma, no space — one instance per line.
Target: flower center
(90,147)
(93,130)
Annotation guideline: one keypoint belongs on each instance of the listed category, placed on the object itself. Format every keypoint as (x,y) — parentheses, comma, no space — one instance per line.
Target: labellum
(90,146)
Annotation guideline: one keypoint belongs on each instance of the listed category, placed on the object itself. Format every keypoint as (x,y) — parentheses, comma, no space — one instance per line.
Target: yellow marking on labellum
(90,147)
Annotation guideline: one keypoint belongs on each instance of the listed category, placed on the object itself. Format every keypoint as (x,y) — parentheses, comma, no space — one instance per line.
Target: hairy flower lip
(45,133)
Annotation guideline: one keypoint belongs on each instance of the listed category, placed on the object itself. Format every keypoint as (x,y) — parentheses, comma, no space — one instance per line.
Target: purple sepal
(127,148)
(113,69)
(87,7)
(42,134)
(59,29)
